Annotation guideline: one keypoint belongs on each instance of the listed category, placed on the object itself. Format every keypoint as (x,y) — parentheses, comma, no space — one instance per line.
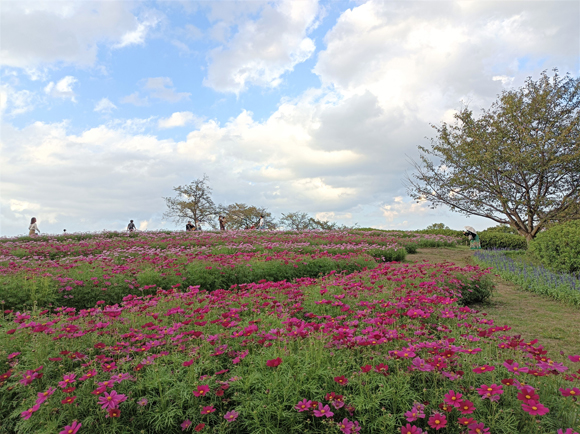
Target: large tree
(192,202)
(242,216)
(516,164)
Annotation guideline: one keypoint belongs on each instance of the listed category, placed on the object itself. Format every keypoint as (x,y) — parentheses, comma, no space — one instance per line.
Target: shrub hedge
(498,240)
(559,247)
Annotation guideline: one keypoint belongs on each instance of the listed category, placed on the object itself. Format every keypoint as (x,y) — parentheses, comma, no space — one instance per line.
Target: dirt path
(555,325)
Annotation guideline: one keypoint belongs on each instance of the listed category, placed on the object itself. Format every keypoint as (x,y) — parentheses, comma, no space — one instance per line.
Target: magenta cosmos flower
(452,398)
(208,409)
(410,429)
(72,428)
(568,431)
(67,380)
(341,380)
(43,396)
(201,390)
(231,416)
(111,400)
(535,408)
(274,362)
(345,426)
(466,407)
(477,428)
(324,411)
(27,413)
(303,405)
(570,392)
(574,359)
(437,421)
(483,369)
(515,367)
(186,424)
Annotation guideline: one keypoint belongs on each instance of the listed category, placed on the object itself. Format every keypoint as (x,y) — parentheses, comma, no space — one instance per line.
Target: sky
(315,106)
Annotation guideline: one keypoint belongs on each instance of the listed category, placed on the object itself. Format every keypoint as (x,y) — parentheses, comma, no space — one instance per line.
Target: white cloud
(162,88)
(13,102)
(62,89)
(138,35)
(105,106)
(179,119)
(264,49)
(135,99)
(36,33)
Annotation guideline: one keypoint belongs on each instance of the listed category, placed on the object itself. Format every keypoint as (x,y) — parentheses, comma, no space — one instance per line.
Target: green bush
(502,229)
(446,232)
(498,240)
(558,247)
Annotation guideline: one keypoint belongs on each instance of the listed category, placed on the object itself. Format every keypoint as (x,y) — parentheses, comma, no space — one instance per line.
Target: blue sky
(295,105)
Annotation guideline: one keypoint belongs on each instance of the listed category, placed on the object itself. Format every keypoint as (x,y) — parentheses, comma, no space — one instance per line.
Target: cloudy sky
(295,105)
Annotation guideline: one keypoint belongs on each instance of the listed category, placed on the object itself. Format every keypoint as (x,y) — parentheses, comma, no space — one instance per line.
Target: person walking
(222,221)
(188,227)
(131,226)
(33,228)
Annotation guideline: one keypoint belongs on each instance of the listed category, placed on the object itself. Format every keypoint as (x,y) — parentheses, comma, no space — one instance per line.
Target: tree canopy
(242,216)
(192,202)
(516,164)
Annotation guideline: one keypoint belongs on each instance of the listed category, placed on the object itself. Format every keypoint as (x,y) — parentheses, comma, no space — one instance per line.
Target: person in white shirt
(261,223)
(33,228)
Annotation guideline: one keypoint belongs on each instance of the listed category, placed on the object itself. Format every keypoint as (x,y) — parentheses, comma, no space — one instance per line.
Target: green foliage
(438,226)
(475,291)
(502,229)
(559,247)
(498,240)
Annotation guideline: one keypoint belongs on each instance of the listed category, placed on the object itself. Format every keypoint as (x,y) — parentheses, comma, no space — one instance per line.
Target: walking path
(554,324)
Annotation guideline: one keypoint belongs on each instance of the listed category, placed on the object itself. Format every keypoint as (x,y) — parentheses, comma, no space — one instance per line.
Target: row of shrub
(559,247)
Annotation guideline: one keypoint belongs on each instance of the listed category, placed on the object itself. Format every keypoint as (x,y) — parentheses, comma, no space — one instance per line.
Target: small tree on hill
(192,202)
(242,216)
(437,226)
(517,164)
(296,221)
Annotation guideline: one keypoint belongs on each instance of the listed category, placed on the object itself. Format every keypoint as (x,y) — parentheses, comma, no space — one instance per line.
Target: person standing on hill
(222,221)
(131,226)
(188,227)
(33,228)
(197,225)
(261,223)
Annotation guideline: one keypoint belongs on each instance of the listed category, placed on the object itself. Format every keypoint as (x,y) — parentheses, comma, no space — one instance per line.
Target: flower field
(378,347)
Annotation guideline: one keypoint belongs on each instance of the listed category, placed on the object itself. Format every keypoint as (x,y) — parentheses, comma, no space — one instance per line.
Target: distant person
(33,228)
(222,221)
(261,223)
(197,225)
(189,227)
(131,226)
(64,231)
(474,243)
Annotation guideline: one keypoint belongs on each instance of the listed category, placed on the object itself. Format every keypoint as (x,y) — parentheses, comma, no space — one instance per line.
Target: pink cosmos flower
(111,400)
(477,428)
(452,398)
(345,426)
(527,393)
(535,408)
(574,359)
(410,429)
(466,407)
(231,416)
(568,431)
(341,380)
(381,368)
(27,413)
(92,373)
(324,411)
(437,421)
(28,377)
(366,368)
(186,424)
(43,396)
(416,412)
(483,369)
(515,367)
(466,421)
(421,365)
(303,405)
(208,409)
(570,392)
(72,428)
(114,412)
(142,402)
(490,392)
(201,390)
(274,362)
(67,380)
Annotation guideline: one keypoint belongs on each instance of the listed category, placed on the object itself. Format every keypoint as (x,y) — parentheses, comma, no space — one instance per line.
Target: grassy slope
(557,326)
